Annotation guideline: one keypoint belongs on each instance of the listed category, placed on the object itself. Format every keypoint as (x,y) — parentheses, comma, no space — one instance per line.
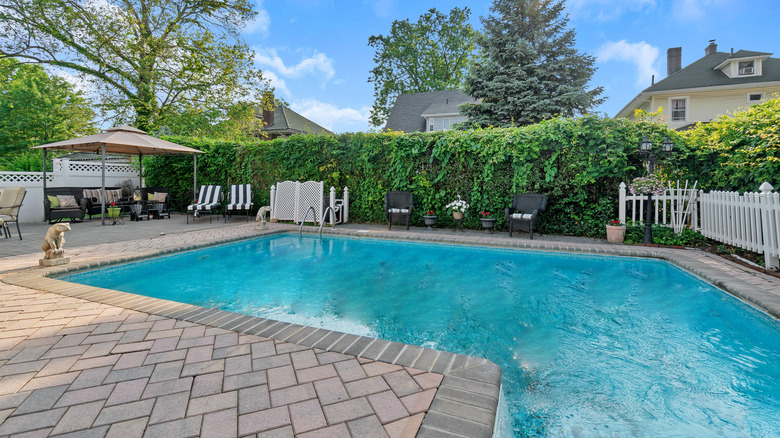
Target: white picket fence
(665,207)
(750,221)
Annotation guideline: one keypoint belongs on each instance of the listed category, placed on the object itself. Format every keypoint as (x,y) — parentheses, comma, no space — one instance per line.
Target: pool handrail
(305,215)
(324,215)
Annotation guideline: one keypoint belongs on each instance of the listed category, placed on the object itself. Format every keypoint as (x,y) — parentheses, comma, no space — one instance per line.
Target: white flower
(457,205)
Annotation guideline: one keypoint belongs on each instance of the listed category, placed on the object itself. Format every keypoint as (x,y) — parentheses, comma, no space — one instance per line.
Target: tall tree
(429,55)
(146,58)
(528,69)
(36,108)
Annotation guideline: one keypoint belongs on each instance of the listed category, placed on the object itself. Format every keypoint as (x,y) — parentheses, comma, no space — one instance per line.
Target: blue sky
(316,53)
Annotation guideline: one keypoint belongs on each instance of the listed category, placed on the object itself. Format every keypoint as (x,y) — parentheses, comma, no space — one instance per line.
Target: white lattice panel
(310,195)
(80,167)
(24,177)
(284,205)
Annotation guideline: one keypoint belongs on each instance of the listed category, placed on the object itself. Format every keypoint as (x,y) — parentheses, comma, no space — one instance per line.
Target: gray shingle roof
(287,122)
(408,109)
(702,73)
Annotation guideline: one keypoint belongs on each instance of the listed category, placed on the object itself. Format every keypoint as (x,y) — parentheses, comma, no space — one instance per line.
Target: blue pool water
(589,346)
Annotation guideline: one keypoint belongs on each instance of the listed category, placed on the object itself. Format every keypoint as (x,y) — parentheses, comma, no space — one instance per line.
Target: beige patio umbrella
(121,140)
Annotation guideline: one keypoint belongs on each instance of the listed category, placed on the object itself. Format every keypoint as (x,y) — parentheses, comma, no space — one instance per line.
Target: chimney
(673,60)
(712,48)
(268,114)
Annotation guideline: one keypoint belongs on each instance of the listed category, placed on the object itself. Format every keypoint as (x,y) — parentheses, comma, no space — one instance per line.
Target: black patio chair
(524,211)
(398,207)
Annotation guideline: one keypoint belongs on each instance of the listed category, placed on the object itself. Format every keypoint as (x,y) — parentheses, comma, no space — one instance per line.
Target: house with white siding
(717,84)
(427,112)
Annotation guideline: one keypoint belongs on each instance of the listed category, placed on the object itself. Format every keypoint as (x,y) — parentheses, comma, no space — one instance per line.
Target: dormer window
(747,68)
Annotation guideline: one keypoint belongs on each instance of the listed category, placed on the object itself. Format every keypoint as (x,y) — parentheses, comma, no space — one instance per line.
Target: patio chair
(11,200)
(398,207)
(209,199)
(524,211)
(240,200)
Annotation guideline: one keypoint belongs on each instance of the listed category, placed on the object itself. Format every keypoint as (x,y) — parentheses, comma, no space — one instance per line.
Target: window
(679,109)
(746,68)
(430,125)
(755,97)
(446,123)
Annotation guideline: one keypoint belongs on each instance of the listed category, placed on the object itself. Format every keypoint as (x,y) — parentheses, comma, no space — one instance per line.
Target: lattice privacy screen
(292,199)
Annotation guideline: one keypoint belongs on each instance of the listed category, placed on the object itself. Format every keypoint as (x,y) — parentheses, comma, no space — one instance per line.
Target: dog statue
(55,238)
(261,216)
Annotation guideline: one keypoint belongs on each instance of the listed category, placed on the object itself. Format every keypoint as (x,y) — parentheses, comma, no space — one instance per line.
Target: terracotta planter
(457,215)
(616,233)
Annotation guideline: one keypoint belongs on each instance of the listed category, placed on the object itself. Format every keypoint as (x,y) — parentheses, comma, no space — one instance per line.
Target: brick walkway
(92,362)
(70,365)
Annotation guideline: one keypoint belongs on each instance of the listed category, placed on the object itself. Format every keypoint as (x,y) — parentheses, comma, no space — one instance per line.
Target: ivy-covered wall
(577,162)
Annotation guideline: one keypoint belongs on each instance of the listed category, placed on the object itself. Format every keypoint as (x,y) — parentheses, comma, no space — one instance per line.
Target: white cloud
(276,82)
(317,63)
(332,117)
(641,54)
(607,10)
(261,23)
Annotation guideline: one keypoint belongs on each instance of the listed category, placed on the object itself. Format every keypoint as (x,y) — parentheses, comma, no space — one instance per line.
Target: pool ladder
(314,213)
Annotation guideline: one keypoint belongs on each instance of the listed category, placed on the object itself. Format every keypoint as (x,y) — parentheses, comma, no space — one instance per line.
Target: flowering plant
(457,205)
(614,223)
(485,214)
(113,204)
(645,185)
(430,213)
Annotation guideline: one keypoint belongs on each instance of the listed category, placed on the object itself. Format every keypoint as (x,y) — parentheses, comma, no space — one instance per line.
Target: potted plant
(113,211)
(458,207)
(430,219)
(616,231)
(487,221)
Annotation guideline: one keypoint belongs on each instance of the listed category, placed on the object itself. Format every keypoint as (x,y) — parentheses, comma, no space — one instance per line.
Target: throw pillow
(53,201)
(151,196)
(67,201)
(159,197)
(113,195)
(94,195)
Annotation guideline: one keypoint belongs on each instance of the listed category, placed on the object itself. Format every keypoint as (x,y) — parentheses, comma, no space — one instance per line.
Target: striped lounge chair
(209,199)
(240,200)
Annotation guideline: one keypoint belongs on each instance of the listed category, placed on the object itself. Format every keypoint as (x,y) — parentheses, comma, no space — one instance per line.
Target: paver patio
(88,367)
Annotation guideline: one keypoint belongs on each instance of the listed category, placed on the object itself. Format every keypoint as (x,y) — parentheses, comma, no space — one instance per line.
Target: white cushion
(398,210)
(526,216)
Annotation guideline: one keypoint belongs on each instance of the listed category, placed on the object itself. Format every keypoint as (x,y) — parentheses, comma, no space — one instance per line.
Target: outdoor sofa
(57,212)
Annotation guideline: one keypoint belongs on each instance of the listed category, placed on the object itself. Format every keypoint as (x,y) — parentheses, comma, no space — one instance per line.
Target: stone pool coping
(467,399)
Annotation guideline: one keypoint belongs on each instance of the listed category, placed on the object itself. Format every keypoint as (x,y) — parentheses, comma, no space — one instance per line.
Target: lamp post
(646,150)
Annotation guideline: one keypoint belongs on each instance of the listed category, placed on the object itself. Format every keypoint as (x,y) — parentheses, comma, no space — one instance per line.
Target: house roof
(409,111)
(705,72)
(288,122)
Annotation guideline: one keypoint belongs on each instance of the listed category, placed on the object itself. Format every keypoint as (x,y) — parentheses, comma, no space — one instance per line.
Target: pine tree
(528,69)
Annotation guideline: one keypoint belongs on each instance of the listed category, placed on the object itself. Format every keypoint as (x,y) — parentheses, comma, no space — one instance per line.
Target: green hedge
(577,162)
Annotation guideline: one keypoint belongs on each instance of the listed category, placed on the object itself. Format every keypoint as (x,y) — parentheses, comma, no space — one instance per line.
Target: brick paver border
(471,386)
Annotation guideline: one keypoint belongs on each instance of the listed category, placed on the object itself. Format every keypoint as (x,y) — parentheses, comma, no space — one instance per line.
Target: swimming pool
(588,345)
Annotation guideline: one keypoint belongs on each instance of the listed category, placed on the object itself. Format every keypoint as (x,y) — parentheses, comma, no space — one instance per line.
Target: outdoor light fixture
(646,150)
